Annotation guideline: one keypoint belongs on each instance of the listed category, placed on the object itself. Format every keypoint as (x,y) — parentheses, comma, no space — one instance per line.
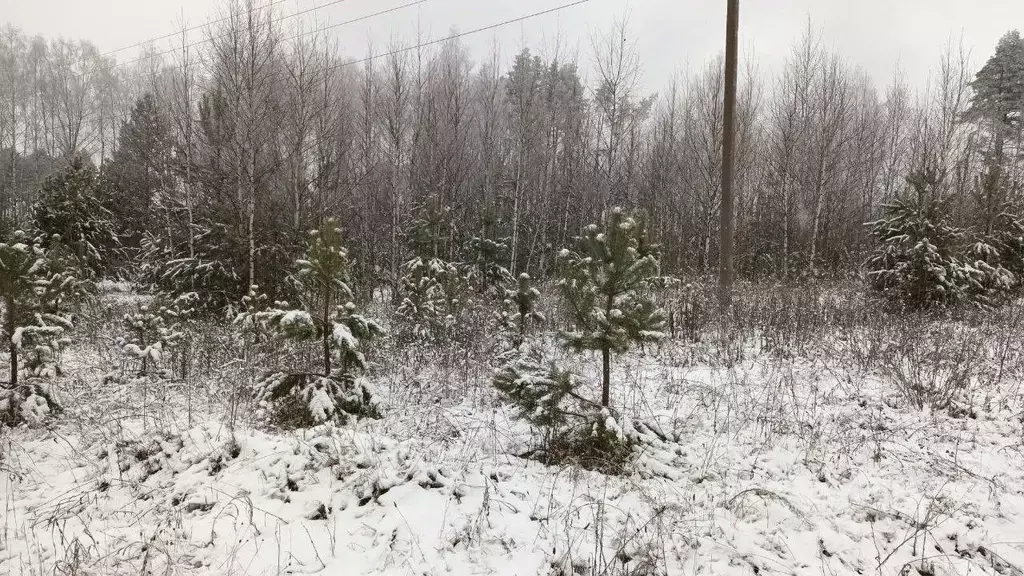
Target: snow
(762,465)
(343,337)
(296,319)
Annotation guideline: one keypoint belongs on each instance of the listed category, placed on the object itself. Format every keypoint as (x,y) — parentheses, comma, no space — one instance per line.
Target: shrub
(933,368)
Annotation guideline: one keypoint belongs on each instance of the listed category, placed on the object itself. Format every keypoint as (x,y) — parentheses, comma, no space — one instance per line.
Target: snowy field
(797,450)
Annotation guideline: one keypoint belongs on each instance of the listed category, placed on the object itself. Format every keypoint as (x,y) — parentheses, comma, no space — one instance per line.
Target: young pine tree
(326,316)
(520,310)
(37,287)
(434,288)
(484,271)
(606,284)
(157,330)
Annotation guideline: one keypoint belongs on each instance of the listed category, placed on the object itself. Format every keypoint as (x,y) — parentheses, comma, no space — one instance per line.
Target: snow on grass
(769,465)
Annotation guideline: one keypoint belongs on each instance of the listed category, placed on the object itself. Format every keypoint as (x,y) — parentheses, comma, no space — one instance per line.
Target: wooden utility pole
(732,24)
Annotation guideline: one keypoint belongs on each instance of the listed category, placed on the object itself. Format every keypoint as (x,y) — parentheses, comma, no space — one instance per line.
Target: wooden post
(732,21)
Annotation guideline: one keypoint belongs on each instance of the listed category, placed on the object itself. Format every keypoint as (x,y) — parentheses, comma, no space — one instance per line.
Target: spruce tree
(72,209)
(916,261)
(606,284)
(140,169)
(324,314)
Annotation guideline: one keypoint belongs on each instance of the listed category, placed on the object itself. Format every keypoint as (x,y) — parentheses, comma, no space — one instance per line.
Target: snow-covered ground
(770,465)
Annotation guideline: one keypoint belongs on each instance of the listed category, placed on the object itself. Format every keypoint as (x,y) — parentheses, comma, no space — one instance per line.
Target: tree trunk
(252,221)
(785,230)
(327,352)
(819,202)
(605,376)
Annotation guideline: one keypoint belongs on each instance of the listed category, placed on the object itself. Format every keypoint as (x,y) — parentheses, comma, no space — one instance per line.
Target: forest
(269,308)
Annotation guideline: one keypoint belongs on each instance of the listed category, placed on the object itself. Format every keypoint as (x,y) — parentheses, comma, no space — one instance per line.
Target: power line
(461,34)
(359,19)
(173,34)
(430,42)
(274,21)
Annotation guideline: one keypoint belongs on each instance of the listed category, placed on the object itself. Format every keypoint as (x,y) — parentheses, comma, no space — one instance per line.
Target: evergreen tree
(605,284)
(485,272)
(574,428)
(326,315)
(434,289)
(212,271)
(434,293)
(520,310)
(541,391)
(72,209)
(157,329)
(140,169)
(998,98)
(997,107)
(37,288)
(915,264)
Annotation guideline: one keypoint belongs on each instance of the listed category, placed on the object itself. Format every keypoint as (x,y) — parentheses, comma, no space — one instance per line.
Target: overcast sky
(673,35)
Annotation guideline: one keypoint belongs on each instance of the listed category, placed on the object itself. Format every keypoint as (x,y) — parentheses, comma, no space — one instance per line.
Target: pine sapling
(324,315)
(606,283)
(37,289)
(519,312)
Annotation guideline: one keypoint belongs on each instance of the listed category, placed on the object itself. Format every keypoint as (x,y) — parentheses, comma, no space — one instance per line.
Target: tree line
(212,160)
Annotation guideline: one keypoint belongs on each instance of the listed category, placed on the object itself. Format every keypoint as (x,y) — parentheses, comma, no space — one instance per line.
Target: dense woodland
(218,154)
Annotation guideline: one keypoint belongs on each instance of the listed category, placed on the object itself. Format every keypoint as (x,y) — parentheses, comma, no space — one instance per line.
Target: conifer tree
(157,329)
(37,289)
(916,264)
(324,314)
(434,289)
(520,310)
(606,284)
(71,209)
(485,273)
(140,169)
(997,108)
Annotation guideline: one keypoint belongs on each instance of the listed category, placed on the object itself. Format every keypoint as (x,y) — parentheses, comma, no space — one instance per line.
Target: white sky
(673,35)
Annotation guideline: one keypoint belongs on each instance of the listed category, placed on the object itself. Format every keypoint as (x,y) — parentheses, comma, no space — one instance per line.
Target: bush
(292,401)
(933,368)
(27,403)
